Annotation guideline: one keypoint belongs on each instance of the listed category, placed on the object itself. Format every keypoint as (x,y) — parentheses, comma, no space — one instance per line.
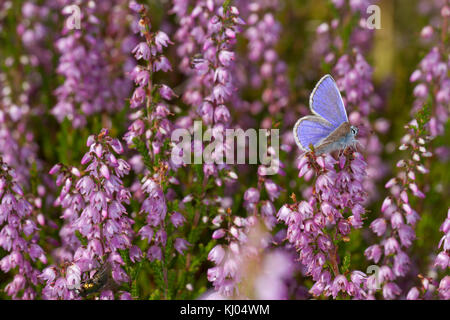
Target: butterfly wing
(311,130)
(326,102)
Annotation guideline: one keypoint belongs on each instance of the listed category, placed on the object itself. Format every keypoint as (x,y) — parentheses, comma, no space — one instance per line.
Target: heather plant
(101,198)
(96,216)
(19,237)
(92,84)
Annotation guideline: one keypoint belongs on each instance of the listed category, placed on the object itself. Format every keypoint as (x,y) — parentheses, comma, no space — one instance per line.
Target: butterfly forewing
(326,102)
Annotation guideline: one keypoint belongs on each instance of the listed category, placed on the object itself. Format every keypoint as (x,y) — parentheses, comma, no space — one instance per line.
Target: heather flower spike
(317,226)
(95,211)
(19,238)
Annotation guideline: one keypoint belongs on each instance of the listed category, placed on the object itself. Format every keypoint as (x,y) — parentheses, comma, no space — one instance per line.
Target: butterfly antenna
(366,130)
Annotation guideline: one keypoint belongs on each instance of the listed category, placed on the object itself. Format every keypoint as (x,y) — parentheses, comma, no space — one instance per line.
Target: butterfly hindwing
(326,102)
(311,130)
(335,140)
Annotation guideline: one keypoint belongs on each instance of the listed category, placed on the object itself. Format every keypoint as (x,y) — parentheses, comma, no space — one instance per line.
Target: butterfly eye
(354,130)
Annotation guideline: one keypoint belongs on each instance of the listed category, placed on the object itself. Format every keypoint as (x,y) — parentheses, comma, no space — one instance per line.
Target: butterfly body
(328,129)
(339,139)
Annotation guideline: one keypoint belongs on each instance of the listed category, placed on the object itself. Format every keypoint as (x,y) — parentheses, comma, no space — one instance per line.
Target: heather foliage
(94,205)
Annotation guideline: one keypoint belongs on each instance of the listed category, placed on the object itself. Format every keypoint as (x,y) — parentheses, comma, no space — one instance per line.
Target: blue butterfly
(328,129)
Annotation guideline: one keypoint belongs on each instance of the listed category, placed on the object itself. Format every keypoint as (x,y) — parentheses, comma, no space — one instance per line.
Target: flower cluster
(18,237)
(316,226)
(215,64)
(396,226)
(97,215)
(354,79)
(432,75)
(353,75)
(34,32)
(190,36)
(359,6)
(432,80)
(247,246)
(262,208)
(207,34)
(263,34)
(150,135)
(268,74)
(443,258)
(442,262)
(91,82)
(156,209)
(17,147)
(226,274)
(147,92)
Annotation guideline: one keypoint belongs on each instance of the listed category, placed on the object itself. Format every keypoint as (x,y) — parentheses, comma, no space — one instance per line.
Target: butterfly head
(354,130)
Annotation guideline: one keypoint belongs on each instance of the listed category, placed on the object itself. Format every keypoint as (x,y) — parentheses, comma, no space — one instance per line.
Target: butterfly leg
(358,144)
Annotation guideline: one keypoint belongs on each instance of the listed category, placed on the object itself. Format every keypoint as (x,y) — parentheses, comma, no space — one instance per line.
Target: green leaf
(423,116)
(226,5)
(156,295)
(81,238)
(134,278)
(346,263)
(157,272)
(142,149)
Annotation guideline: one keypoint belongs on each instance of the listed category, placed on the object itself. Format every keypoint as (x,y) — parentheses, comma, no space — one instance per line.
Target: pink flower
(142,51)
(216,254)
(340,283)
(373,253)
(181,245)
(166,92)
(161,63)
(138,97)
(154,253)
(391,290)
(413,294)
(225,57)
(219,233)
(136,7)
(162,40)
(251,195)
(378,226)
(177,219)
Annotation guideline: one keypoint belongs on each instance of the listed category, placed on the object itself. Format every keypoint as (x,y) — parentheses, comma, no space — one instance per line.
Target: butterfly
(328,129)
